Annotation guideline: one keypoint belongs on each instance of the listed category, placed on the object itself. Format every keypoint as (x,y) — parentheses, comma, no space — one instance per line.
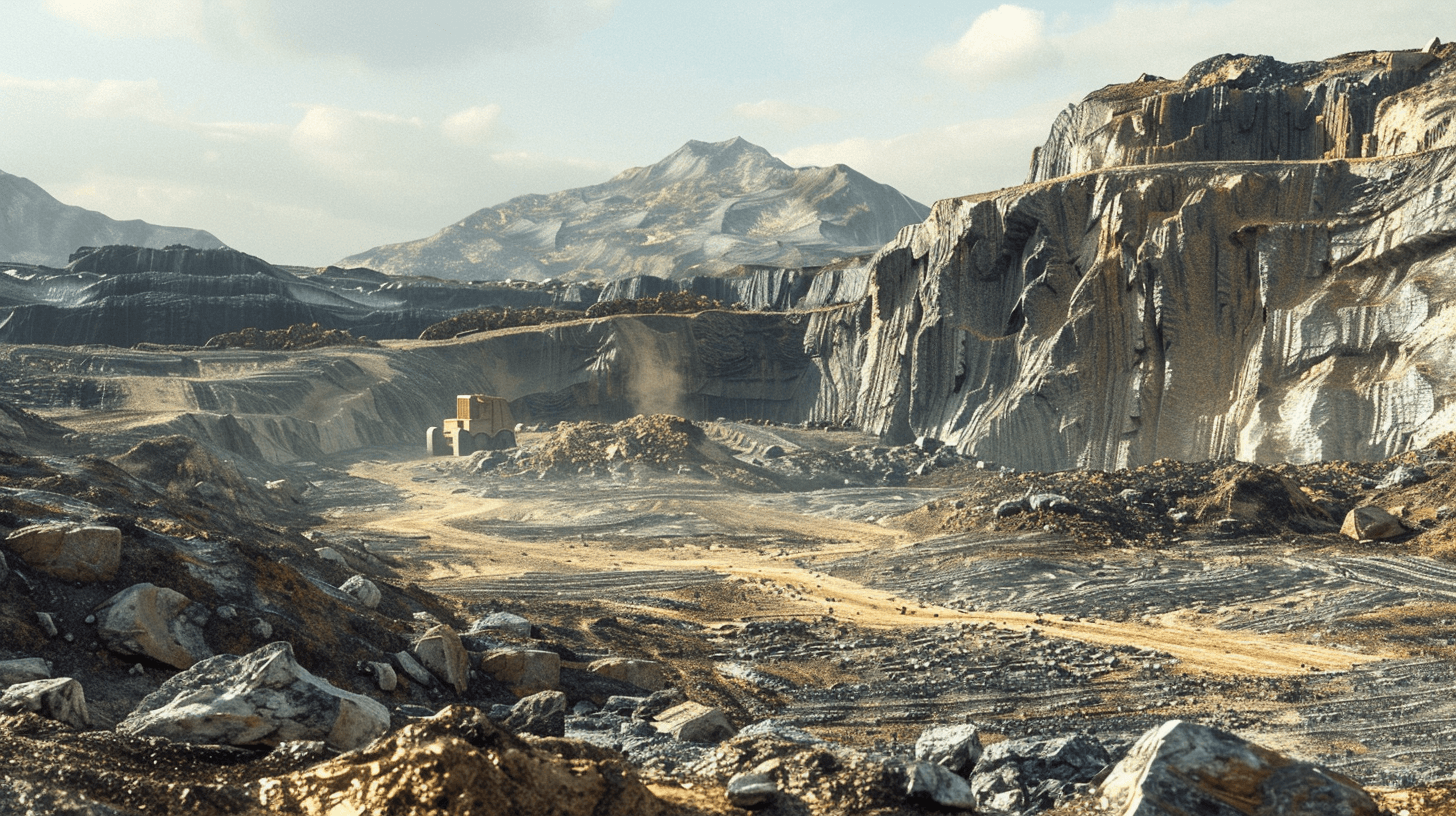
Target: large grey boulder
(363,590)
(542,714)
(956,747)
(262,698)
(441,651)
(504,623)
(71,552)
(154,622)
(926,780)
(694,722)
(1181,767)
(1013,774)
(525,671)
(644,674)
(23,670)
(60,699)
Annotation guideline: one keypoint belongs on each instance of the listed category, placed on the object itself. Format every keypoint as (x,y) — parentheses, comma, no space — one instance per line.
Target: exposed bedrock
(1268,311)
(1243,108)
(285,405)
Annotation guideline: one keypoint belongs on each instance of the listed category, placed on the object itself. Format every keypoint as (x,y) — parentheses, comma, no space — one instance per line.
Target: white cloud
(787,115)
(363,145)
(1003,43)
(376,33)
(472,126)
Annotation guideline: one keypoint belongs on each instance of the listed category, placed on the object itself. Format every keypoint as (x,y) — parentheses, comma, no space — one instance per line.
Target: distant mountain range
(704,210)
(37,229)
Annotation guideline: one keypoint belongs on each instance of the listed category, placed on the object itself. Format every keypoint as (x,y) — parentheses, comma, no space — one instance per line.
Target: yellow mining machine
(481,423)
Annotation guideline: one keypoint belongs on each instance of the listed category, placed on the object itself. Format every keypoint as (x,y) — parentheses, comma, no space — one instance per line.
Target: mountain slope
(35,228)
(704,209)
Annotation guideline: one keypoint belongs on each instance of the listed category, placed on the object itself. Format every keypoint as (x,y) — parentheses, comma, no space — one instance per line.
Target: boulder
(1055,502)
(383,674)
(1181,767)
(441,651)
(362,590)
(502,623)
(753,789)
(929,781)
(542,714)
(1009,774)
(70,552)
(262,698)
(61,699)
(153,622)
(956,747)
(412,669)
(23,670)
(525,671)
(694,722)
(1404,476)
(644,674)
(1010,507)
(332,555)
(1371,523)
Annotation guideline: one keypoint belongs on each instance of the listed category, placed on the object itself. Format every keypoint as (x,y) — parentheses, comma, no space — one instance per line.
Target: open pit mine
(1129,490)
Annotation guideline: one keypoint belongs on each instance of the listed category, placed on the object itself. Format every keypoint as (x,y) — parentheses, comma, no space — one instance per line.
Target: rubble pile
(297,337)
(663,303)
(658,440)
(480,320)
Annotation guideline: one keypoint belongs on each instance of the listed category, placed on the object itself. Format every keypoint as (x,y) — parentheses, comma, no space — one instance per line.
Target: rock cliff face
(1184,300)
(40,230)
(704,209)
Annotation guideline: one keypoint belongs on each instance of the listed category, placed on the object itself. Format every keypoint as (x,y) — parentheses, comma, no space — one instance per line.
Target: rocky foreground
(175,643)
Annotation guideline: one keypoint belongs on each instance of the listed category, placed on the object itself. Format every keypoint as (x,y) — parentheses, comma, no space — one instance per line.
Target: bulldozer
(481,422)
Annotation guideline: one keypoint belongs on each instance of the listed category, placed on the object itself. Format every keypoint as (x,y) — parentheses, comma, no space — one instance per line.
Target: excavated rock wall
(1274,311)
(1241,108)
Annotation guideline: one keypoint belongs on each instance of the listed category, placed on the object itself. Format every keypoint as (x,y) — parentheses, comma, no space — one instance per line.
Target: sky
(303,131)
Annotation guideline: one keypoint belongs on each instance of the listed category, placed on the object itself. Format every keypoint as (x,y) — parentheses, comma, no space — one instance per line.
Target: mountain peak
(699,159)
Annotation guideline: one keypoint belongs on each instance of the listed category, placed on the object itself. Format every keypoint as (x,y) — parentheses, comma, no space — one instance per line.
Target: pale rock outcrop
(441,651)
(542,714)
(644,674)
(1371,523)
(262,698)
(23,670)
(154,622)
(694,722)
(956,747)
(71,552)
(1183,767)
(61,699)
(363,590)
(504,622)
(927,780)
(524,671)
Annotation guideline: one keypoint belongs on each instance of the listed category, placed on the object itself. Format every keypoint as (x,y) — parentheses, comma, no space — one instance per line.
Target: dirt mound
(24,431)
(184,469)
(480,320)
(458,763)
(1262,500)
(297,337)
(660,440)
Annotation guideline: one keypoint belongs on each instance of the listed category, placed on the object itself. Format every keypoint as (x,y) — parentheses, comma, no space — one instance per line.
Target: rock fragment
(926,780)
(694,722)
(383,674)
(1371,523)
(542,714)
(154,622)
(441,651)
(262,698)
(412,669)
(644,674)
(70,552)
(504,623)
(61,699)
(753,789)
(1403,476)
(955,747)
(1182,767)
(23,670)
(363,590)
(525,671)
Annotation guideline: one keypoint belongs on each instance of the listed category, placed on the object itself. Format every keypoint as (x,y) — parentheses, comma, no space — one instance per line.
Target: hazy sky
(306,130)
